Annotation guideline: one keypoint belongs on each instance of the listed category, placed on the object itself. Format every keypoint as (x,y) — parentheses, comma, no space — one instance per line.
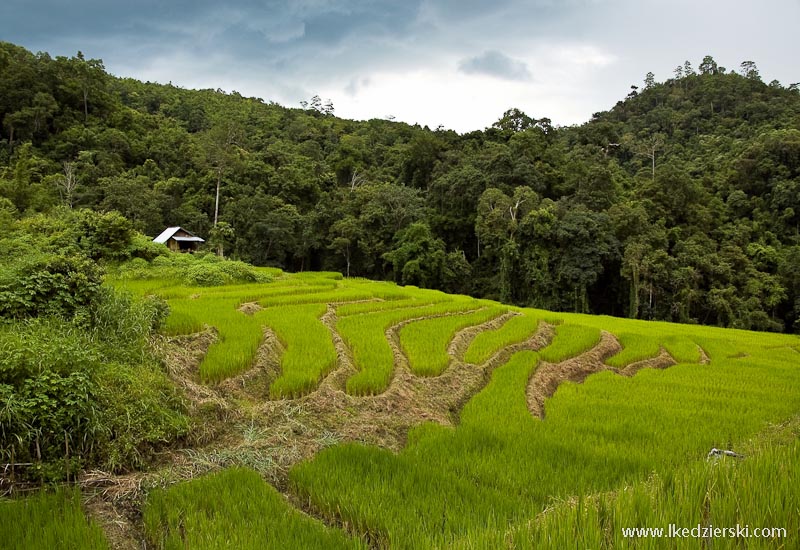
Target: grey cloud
(287,50)
(79,24)
(496,64)
(356,85)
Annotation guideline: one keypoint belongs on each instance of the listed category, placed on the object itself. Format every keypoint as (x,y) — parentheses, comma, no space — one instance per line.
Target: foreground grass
(453,487)
(481,483)
(756,492)
(48,520)
(234,508)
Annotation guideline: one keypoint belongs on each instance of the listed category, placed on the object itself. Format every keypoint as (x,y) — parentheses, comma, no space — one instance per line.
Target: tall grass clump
(487,343)
(234,508)
(365,335)
(48,520)
(425,342)
(309,354)
(755,493)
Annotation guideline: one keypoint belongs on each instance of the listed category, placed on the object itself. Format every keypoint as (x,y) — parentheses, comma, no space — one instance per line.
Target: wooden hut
(178,239)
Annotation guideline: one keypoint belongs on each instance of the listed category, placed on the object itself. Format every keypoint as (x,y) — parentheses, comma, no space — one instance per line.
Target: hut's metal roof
(189,239)
(168,233)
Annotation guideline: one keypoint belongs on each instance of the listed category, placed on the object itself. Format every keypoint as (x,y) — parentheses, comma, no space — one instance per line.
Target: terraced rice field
(406,418)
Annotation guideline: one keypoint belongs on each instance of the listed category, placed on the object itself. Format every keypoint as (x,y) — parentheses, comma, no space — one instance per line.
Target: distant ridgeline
(681,203)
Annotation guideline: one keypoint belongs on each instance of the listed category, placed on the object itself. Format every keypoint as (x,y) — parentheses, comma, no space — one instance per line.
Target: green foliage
(648,210)
(75,396)
(193,270)
(75,352)
(245,512)
(143,247)
(49,390)
(49,520)
(36,283)
(102,236)
(420,259)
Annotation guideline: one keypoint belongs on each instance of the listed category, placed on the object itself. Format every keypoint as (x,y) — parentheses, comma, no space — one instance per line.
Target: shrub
(95,386)
(48,394)
(48,284)
(205,275)
(105,236)
(142,247)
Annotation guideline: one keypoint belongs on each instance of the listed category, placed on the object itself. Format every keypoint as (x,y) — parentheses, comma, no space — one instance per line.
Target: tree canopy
(681,203)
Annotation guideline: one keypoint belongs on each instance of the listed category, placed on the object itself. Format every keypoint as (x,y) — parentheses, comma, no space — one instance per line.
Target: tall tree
(708,66)
(749,70)
(222,145)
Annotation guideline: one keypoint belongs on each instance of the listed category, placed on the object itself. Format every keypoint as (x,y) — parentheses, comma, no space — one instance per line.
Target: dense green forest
(681,203)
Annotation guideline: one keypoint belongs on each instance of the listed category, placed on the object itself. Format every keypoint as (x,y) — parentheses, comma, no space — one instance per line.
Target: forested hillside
(681,203)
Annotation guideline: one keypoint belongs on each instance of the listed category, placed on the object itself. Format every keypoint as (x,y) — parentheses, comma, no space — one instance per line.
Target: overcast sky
(459,64)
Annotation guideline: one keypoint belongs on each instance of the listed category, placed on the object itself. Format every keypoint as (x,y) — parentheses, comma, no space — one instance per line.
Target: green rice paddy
(612,452)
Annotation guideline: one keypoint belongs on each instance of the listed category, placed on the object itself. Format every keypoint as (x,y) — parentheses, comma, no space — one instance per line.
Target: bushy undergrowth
(41,283)
(194,270)
(72,396)
(78,384)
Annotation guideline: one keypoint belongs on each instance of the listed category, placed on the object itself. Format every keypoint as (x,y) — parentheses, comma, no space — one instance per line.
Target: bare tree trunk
(66,455)
(634,304)
(355,180)
(216,200)
(68,182)
(654,164)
